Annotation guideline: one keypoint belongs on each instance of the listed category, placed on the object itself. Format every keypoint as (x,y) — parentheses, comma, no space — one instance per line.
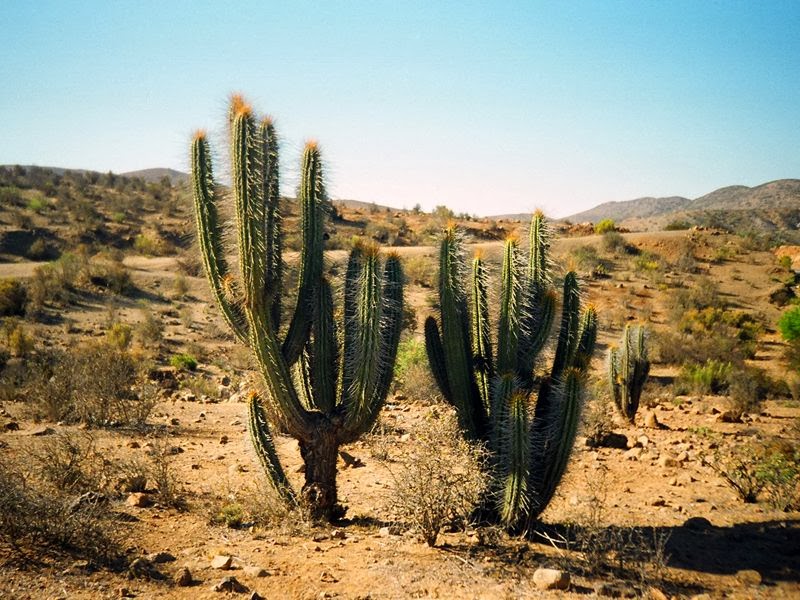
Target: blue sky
(485,107)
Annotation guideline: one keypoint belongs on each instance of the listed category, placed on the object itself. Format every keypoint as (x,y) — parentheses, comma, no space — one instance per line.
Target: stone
(551,579)
(748,577)
(223,439)
(141,568)
(255,596)
(658,502)
(255,571)
(339,534)
(231,585)
(41,431)
(161,557)
(633,453)
(222,562)
(350,460)
(11,426)
(653,593)
(643,441)
(729,416)
(611,590)
(666,461)
(651,421)
(183,578)
(682,457)
(139,500)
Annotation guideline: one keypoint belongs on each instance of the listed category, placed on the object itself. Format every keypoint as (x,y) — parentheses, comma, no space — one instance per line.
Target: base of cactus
(319,491)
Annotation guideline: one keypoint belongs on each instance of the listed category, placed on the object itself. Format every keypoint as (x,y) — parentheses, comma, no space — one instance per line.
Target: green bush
(708,378)
(183,362)
(604,226)
(13,297)
(614,242)
(119,335)
(789,324)
(679,225)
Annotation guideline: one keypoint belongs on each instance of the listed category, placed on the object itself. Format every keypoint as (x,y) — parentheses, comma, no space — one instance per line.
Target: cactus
(325,389)
(527,419)
(628,368)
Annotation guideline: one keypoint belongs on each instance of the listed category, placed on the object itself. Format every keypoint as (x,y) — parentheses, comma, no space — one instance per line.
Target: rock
(223,439)
(133,444)
(222,562)
(748,577)
(666,461)
(41,431)
(682,457)
(633,453)
(319,537)
(653,593)
(254,571)
(658,502)
(339,534)
(125,593)
(89,499)
(611,590)
(11,426)
(225,381)
(183,578)
(232,585)
(161,557)
(551,579)
(141,568)
(651,421)
(608,439)
(139,500)
(729,416)
(350,460)
(698,524)
(643,441)
(701,597)
(255,596)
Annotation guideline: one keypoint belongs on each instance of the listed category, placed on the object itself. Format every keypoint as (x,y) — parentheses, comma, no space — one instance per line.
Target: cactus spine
(628,368)
(324,389)
(527,419)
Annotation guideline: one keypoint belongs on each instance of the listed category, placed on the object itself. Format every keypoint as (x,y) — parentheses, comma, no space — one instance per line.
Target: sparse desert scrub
(13,297)
(442,481)
(412,374)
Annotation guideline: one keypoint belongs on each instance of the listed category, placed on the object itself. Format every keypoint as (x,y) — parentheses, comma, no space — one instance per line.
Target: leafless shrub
(740,470)
(443,479)
(162,473)
(68,461)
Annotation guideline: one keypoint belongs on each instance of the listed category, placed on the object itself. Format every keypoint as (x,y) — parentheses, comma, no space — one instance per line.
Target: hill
(773,206)
(157,174)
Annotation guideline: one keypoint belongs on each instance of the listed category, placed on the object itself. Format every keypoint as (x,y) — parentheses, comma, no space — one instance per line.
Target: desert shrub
(112,275)
(91,383)
(13,297)
(677,225)
(68,461)
(442,481)
(604,226)
(37,204)
(231,515)
(38,250)
(150,245)
(180,287)
(649,262)
(587,257)
(710,377)
(162,473)
(36,523)
(789,324)
(780,473)
(411,371)
(17,340)
(744,392)
(741,471)
(614,242)
(149,330)
(119,335)
(57,281)
(420,270)
(183,362)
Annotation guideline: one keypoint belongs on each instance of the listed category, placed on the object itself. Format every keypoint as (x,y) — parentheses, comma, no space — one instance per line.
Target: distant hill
(772,205)
(157,174)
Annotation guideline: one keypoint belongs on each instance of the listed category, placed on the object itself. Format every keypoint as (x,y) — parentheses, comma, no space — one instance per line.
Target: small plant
(708,378)
(780,473)
(180,287)
(150,329)
(119,335)
(614,242)
(230,515)
(605,225)
(13,297)
(628,368)
(18,342)
(162,473)
(183,362)
(742,471)
(789,325)
(443,480)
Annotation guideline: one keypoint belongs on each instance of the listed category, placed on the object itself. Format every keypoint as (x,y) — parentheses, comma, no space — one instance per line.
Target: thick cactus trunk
(319,453)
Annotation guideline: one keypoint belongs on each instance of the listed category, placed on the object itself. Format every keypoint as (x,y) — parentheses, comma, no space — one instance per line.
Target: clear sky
(488,108)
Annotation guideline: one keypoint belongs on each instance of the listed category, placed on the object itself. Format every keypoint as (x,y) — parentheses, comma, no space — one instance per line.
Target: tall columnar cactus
(628,368)
(326,380)
(528,419)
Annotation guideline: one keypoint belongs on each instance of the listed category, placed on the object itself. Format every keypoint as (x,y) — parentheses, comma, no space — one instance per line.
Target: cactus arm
(265,449)
(586,339)
(435,352)
(514,459)
(390,330)
(311,195)
(569,332)
(245,156)
(350,321)
(272,217)
(553,441)
(538,260)
(209,236)
(455,337)
(481,337)
(509,325)
(324,351)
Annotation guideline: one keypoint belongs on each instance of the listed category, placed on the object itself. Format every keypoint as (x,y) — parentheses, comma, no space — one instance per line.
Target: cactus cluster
(527,417)
(628,368)
(326,380)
